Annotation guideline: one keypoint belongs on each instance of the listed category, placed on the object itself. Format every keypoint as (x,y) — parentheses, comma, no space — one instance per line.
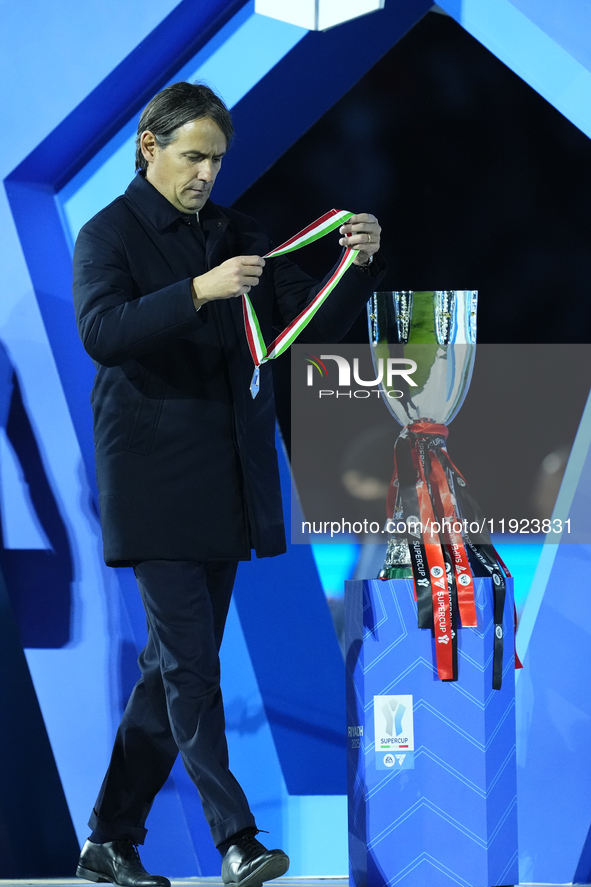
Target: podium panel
(431,764)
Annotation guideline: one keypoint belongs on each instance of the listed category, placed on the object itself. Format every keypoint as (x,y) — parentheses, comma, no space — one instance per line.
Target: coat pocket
(147,416)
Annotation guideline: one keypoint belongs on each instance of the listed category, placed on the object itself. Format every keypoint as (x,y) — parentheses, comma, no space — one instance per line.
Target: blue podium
(431,764)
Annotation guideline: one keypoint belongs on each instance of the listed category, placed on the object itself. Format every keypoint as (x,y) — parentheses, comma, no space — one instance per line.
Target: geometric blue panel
(299,669)
(298,663)
(33,189)
(568,23)
(541,42)
(33,193)
(32,186)
(431,764)
(107,175)
(35,553)
(37,838)
(269,119)
(553,696)
(554,725)
(304,85)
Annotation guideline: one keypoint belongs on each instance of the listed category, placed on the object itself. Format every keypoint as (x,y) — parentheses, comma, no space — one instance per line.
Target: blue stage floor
(206,882)
(183,882)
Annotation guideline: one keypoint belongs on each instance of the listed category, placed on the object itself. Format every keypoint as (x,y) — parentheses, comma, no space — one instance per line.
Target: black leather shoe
(118,862)
(248,863)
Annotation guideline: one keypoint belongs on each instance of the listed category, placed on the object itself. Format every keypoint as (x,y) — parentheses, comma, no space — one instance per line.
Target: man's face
(184,171)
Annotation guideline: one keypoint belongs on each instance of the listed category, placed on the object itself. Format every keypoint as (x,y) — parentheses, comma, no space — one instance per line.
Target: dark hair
(174,106)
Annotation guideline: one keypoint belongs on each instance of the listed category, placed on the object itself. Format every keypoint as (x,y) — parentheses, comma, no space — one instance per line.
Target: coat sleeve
(115,320)
(295,290)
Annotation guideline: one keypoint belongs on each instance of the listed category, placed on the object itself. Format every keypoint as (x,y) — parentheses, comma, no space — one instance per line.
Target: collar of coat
(162,214)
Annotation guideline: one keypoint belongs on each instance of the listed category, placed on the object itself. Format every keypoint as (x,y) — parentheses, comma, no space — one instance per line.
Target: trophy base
(431,764)
(398,572)
(397,563)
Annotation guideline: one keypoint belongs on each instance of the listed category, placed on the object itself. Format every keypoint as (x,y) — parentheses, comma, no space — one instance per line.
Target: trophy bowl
(436,330)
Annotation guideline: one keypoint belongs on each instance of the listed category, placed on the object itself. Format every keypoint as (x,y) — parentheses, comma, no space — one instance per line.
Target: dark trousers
(176,706)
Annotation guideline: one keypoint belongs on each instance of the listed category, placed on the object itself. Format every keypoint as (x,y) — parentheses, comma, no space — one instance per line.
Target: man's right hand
(230,279)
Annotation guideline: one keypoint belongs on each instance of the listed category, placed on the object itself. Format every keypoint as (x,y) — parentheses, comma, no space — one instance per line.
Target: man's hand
(361,232)
(230,279)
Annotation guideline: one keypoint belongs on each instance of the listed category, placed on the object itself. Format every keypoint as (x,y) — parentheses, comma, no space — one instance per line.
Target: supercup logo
(388,370)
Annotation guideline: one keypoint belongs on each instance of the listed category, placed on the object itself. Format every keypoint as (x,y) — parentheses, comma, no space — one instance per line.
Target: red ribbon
(438,508)
(464,579)
(438,575)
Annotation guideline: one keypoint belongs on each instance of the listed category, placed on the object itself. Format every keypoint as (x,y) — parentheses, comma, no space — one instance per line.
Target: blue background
(78,76)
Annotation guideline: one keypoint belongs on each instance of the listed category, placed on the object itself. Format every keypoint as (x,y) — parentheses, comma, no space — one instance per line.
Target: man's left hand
(361,232)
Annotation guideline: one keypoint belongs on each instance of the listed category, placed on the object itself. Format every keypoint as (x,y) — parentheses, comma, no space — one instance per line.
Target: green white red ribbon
(260,352)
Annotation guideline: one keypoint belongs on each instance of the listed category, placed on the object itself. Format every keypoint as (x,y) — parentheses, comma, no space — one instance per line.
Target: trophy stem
(397,563)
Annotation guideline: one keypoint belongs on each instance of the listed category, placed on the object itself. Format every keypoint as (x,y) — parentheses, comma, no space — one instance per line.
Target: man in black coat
(186,463)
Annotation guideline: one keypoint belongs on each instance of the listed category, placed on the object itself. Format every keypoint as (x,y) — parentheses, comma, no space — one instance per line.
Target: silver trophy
(433,334)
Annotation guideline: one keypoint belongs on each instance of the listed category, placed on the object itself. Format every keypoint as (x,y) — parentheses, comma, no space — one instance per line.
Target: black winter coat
(186,461)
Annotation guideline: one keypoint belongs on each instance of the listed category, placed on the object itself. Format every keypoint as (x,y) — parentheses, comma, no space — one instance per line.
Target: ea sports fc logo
(388,370)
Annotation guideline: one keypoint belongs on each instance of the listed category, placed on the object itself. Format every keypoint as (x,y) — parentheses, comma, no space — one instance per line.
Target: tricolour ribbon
(260,352)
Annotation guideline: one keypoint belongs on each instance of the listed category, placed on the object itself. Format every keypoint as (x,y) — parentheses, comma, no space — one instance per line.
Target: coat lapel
(218,245)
